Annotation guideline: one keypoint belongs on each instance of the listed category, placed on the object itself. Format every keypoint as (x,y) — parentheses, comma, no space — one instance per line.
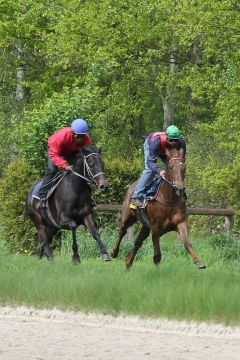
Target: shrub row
(16,228)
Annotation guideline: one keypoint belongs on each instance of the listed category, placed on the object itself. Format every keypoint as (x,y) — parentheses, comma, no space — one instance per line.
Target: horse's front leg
(88,222)
(66,221)
(144,232)
(156,246)
(182,229)
(75,257)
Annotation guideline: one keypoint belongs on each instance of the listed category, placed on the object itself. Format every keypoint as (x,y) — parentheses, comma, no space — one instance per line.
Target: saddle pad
(56,180)
(36,189)
(153,187)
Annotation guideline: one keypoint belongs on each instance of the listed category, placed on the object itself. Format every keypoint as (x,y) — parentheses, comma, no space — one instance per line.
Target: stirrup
(137,203)
(42,204)
(133,206)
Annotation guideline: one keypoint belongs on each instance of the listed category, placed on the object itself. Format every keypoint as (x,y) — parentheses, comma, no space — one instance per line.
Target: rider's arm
(183,146)
(154,151)
(55,146)
(59,161)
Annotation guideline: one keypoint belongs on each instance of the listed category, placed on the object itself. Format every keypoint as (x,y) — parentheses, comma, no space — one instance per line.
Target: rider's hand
(162,173)
(69,168)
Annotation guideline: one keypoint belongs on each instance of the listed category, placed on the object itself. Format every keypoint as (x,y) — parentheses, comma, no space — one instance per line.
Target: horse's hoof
(105,257)
(113,254)
(128,265)
(76,260)
(200,265)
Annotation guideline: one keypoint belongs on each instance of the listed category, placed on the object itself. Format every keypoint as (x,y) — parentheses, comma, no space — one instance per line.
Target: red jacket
(61,145)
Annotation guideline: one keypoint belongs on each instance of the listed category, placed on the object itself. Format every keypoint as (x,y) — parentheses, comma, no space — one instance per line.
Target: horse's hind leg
(44,242)
(88,222)
(144,232)
(182,229)
(127,221)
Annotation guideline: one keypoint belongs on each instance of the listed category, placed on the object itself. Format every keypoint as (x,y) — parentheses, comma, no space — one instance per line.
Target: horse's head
(176,170)
(91,164)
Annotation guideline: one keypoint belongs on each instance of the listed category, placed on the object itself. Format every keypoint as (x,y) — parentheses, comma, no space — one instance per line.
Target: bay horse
(163,213)
(70,204)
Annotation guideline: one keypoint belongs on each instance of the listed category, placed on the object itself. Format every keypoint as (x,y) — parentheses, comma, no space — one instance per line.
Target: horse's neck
(78,188)
(166,190)
(165,193)
(77,181)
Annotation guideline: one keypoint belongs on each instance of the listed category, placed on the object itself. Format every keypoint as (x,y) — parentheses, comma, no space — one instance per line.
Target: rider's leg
(145,179)
(46,184)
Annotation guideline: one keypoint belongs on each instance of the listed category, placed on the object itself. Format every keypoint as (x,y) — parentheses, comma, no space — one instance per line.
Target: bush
(120,175)
(227,244)
(16,229)
(19,232)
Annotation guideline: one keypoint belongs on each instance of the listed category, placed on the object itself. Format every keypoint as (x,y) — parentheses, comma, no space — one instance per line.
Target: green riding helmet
(173,132)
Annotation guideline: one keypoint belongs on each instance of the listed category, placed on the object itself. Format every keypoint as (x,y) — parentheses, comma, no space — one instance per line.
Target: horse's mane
(88,149)
(174,153)
(85,150)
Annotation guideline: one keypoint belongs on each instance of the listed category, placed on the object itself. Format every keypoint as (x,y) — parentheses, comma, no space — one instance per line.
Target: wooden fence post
(228,224)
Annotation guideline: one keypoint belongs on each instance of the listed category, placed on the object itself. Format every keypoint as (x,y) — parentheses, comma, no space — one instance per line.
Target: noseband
(87,172)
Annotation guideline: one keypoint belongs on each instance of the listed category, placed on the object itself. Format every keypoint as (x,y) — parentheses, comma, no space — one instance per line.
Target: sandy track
(51,334)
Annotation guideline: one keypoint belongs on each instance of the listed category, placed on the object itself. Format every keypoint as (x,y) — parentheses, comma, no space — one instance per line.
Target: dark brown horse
(70,205)
(166,212)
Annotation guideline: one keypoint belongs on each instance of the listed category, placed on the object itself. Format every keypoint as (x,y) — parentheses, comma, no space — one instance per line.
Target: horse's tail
(126,203)
(28,202)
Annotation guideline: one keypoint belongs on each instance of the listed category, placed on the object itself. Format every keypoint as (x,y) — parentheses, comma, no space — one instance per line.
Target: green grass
(175,289)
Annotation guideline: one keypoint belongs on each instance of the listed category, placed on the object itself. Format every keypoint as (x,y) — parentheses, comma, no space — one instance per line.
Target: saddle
(150,193)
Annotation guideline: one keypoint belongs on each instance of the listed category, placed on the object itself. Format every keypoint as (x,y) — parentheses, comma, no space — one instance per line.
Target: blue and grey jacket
(157,151)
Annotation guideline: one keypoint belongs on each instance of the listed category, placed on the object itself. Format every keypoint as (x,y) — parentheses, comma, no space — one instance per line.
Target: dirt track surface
(51,334)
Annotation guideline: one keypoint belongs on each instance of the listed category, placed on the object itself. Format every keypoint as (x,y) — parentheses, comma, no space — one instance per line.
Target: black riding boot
(46,184)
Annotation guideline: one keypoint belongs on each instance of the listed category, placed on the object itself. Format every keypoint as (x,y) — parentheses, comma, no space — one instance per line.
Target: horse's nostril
(103,187)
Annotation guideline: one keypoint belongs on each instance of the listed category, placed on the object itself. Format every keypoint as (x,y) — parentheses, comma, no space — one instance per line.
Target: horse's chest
(172,215)
(79,210)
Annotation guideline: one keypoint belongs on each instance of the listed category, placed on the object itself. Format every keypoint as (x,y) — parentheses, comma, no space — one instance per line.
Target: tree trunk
(20,91)
(167,101)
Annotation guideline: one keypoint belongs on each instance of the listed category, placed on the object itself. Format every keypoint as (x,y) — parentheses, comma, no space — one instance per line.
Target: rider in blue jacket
(154,147)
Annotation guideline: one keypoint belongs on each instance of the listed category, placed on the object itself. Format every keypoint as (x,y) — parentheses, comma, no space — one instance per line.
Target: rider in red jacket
(61,145)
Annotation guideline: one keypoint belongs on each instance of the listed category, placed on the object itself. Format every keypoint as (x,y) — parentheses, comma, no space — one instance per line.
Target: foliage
(121,67)
(37,125)
(15,227)
(227,245)
(120,175)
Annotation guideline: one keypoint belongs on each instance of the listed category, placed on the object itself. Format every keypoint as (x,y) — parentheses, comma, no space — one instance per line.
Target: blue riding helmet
(79,126)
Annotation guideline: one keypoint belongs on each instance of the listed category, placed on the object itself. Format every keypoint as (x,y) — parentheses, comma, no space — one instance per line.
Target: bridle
(171,182)
(87,172)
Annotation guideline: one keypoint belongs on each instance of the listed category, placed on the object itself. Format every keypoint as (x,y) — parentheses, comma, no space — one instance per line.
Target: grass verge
(176,289)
